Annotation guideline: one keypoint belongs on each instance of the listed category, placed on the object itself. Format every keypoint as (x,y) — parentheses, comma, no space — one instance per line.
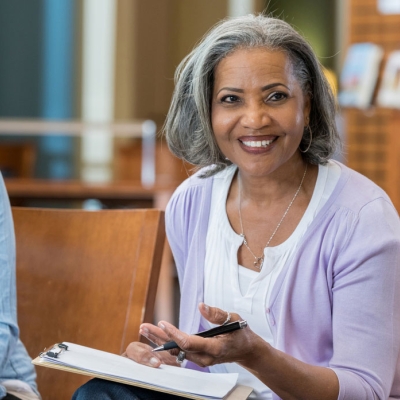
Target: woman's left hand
(235,346)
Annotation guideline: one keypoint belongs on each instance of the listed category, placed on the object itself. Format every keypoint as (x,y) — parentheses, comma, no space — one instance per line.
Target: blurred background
(114,60)
(104,69)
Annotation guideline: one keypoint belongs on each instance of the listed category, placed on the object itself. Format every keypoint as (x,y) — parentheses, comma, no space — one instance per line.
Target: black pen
(219,330)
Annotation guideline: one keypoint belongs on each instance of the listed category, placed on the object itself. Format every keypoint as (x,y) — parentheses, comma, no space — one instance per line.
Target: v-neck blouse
(235,288)
(223,242)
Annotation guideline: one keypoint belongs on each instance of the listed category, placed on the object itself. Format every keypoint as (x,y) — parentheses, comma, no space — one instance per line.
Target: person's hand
(142,353)
(235,346)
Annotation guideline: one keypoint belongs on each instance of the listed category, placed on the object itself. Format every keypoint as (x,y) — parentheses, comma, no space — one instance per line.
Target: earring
(309,144)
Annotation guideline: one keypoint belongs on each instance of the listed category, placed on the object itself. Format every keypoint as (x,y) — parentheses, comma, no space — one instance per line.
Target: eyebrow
(266,87)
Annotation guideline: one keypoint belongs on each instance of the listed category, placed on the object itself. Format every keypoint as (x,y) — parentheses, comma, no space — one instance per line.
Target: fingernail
(144,334)
(161,325)
(154,361)
(206,307)
(144,331)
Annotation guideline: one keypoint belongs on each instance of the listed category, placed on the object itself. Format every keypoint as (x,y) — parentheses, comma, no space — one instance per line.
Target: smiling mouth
(257,143)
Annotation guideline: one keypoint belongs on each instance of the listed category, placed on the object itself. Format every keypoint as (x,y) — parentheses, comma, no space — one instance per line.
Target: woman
(272,231)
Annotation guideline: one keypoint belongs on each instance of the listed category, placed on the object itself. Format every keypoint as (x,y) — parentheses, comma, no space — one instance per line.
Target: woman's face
(258,110)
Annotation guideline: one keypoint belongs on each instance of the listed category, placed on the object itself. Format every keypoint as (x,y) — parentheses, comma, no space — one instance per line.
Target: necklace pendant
(259,262)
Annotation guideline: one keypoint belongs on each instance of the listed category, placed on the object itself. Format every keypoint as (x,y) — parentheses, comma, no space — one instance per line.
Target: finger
(142,354)
(189,343)
(217,316)
(203,360)
(174,334)
(169,359)
(153,333)
(205,351)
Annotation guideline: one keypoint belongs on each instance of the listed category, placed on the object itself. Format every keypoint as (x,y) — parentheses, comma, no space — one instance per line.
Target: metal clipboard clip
(55,351)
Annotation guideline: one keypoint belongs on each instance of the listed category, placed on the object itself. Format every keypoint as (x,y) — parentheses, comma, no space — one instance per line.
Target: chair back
(87,277)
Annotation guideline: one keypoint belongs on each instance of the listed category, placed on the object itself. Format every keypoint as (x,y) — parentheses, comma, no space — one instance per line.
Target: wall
(20,63)
(314,20)
(36,74)
(152,38)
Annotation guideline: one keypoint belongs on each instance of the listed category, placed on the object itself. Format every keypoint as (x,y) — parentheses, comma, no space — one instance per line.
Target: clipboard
(178,381)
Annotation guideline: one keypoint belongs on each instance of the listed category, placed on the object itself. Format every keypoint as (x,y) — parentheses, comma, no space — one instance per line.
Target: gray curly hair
(188,127)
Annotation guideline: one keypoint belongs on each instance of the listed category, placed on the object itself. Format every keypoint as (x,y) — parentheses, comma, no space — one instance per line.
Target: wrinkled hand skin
(232,347)
(142,354)
(288,377)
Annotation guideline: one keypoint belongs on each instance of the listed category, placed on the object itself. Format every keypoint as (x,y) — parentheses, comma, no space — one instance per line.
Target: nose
(255,116)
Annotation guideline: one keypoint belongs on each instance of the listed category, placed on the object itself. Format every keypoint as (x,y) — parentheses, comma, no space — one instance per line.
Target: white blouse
(234,288)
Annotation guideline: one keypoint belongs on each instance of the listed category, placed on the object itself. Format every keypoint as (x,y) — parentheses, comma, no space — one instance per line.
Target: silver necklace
(259,261)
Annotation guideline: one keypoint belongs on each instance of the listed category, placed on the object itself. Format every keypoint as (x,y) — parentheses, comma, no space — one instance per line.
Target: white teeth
(259,143)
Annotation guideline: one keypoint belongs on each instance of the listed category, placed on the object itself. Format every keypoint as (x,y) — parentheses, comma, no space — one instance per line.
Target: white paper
(168,377)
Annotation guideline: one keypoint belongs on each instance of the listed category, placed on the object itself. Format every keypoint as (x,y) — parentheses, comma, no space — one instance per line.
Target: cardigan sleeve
(186,224)
(174,217)
(182,219)
(8,309)
(365,304)
(186,219)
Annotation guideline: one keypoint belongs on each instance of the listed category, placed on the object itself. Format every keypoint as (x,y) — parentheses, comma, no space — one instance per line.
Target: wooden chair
(87,277)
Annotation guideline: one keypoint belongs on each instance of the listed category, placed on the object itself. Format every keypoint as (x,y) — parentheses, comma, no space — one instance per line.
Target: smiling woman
(259,111)
(272,231)
(188,125)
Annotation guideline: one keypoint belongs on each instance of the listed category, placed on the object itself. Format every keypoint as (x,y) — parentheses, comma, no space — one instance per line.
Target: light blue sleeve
(15,362)
(8,307)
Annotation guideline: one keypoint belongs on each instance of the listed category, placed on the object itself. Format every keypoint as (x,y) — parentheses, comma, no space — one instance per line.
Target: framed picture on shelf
(389,6)
(359,75)
(389,91)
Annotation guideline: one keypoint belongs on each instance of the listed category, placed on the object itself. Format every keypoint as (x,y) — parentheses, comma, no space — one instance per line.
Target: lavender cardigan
(337,302)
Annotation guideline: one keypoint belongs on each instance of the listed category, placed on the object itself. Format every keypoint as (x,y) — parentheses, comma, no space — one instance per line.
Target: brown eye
(277,96)
(230,99)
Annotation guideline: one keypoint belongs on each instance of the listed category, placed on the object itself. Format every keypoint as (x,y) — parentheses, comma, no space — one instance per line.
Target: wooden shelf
(373,139)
